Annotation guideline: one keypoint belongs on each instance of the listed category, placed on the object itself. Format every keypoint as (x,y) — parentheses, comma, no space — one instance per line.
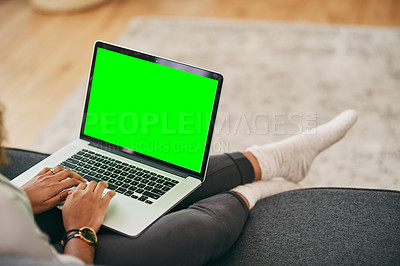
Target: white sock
(258,190)
(291,158)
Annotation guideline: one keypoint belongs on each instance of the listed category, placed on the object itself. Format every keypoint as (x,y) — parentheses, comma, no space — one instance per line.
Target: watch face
(88,234)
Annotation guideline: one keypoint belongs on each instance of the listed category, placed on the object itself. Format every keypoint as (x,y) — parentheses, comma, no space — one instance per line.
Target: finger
(92,185)
(65,173)
(68,183)
(100,188)
(107,197)
(53,171)
(58,169)
(57,199)
(44,170)
(81,186)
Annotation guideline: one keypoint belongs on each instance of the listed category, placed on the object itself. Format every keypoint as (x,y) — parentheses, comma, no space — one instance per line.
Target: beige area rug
(281,78)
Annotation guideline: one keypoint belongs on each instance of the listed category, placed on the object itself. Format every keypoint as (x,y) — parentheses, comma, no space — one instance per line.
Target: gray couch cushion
(20,161)
(321,226)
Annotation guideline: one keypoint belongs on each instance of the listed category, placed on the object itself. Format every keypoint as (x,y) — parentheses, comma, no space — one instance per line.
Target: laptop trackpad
(129,216)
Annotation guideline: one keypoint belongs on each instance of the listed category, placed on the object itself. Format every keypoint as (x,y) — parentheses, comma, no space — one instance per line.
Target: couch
(308,226)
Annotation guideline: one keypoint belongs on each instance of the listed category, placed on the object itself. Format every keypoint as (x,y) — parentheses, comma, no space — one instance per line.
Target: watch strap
(79,233)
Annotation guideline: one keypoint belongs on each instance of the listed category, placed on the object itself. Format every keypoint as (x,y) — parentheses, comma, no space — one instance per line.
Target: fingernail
(105,182)
(113,192)
(80,181)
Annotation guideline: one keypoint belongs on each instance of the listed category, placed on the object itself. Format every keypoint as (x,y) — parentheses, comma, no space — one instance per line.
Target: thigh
(225,171)
(51,223)
(192,236)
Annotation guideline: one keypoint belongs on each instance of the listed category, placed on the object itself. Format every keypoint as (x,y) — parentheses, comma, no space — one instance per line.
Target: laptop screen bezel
(137,155)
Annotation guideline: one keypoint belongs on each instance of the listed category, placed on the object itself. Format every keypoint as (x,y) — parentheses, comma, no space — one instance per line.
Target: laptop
(146,129)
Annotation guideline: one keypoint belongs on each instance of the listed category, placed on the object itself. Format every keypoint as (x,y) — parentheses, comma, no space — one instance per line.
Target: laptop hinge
(139,159)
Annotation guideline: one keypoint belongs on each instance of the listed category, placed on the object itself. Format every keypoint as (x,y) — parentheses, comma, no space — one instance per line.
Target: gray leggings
(201,228)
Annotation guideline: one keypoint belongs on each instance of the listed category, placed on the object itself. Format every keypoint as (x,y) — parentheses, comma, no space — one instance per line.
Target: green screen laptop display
(153,109)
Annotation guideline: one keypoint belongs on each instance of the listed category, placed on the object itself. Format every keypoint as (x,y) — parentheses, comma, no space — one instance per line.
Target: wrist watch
(86,234)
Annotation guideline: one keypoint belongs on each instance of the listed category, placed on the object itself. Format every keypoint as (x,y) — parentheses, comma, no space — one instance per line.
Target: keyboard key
(111,186)
(148,188)
(143,198)
(133,182)
(151,195)
(158,191)
(114,176)
(149,202)
(128,193)
(164,188)
(160,181)
(121,190)
(108,173)
(112,180)
(67,165)
(73,161)
(169,184)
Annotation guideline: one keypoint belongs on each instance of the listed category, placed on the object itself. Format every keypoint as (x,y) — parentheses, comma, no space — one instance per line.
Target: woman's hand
(46,189)
(85,206)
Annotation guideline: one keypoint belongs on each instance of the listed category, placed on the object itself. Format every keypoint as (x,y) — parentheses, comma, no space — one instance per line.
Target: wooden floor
(43,57)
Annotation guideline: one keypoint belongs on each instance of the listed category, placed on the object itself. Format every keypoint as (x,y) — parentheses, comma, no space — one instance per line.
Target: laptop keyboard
(126,179)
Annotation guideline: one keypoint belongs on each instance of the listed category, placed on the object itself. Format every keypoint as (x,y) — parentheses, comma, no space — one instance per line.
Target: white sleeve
(20,236)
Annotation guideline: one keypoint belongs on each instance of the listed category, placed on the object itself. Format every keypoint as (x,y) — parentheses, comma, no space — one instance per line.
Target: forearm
(78,248)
